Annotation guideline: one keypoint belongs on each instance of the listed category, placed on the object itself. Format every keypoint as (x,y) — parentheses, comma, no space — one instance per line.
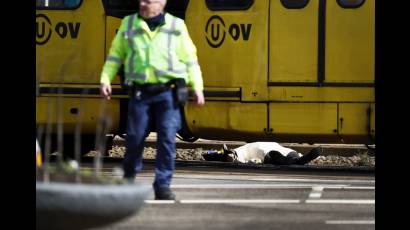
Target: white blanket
(255,152)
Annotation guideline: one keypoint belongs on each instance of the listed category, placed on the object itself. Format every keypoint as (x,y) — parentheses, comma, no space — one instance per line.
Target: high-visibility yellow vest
(153,56)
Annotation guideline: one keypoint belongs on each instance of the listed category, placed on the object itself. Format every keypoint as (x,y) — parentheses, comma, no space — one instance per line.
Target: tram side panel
(350,57)
(296,108)
(261,71)
(318,91)
(308,91)
(299,110)
(232,52)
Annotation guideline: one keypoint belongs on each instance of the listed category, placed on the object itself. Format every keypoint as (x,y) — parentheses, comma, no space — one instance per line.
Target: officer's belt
(151,88)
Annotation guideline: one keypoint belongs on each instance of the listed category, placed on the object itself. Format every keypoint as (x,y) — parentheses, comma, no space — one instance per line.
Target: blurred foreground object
(39,162)
(68,206)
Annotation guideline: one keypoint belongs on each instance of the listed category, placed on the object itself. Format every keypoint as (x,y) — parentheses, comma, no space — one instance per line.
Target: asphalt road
(256,199)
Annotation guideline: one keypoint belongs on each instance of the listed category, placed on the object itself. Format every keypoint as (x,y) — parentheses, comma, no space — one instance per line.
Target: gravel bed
(362,159)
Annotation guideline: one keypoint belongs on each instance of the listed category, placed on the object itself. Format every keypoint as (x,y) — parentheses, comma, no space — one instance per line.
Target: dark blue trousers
(167,121)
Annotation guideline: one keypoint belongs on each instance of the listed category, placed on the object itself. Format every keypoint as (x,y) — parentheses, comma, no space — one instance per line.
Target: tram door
(321,69)
(293,72)
(231,39)
(350,52)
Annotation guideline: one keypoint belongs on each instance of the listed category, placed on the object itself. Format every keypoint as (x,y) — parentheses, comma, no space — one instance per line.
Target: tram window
(294,4)
(229,4)
(122,8)
(177,7)
(350,3)
(58,4)
(123,4)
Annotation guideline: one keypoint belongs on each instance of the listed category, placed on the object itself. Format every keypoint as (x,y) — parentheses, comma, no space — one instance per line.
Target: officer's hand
(199,97)
(105,91)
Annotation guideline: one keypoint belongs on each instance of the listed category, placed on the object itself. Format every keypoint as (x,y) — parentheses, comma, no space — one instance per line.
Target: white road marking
(360,187)
(315,195)
(160,201)
(258,201)
(240,201)
(313,180)
(316,192)
(328,201)
(350,222)
(243,186)
(270,179)
(224,201)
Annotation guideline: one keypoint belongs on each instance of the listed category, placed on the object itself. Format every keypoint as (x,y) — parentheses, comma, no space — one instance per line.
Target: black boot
(231,155)
(292,158)
(276,158)
(313,154)
(164,194)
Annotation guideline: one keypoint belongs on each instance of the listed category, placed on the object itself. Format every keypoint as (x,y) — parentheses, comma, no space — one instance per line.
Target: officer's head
(151,8)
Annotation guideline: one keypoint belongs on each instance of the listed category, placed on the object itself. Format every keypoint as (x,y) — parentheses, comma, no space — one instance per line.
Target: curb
(229,165)
(301,168)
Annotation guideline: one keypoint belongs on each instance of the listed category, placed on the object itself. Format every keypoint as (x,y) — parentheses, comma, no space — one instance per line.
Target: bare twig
(77,140)
(103,127)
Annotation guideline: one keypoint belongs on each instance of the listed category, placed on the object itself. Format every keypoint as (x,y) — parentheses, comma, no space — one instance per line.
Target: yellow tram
(274,70)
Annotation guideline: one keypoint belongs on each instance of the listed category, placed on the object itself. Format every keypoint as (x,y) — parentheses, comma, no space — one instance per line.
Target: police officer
(156,49)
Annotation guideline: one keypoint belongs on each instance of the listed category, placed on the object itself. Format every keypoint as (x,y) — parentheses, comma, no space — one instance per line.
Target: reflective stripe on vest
(138,31)
(130,33)
(170,61)
(192,63)
(169,31)
(139,76)
(114,59)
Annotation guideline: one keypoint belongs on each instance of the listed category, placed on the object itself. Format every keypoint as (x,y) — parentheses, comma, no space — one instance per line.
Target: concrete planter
(61,206)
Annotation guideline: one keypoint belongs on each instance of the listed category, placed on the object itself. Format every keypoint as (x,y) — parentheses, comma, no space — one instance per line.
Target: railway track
(335,157)
(346,150)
